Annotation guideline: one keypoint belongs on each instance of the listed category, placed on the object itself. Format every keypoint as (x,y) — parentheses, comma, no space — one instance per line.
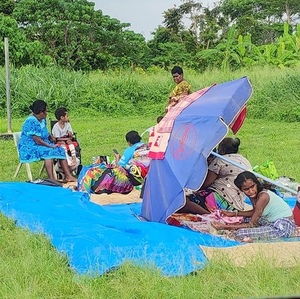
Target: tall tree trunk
(288,13)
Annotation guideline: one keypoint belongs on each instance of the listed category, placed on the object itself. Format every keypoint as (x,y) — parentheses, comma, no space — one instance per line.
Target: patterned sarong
(281,228)
(102,178)
(210,200)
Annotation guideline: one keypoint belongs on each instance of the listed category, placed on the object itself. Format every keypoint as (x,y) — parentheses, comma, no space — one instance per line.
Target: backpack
(138,166)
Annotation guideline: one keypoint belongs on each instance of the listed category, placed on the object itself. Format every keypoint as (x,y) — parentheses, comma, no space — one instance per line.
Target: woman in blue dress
(37,144)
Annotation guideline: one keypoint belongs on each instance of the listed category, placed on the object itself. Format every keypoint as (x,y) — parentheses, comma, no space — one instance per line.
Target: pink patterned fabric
(158,143)
(166,124)
(216,216)
(159,137)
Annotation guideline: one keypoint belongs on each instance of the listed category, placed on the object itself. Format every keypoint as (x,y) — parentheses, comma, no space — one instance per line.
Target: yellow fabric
(182,87)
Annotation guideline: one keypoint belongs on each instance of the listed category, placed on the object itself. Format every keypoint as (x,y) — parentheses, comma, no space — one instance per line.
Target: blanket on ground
(98,238)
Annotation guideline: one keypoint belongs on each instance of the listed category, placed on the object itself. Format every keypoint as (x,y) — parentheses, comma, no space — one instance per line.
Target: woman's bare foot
(70,179)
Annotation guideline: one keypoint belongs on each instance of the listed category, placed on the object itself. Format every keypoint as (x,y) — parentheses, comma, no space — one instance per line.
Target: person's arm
(117,158)
(214,169)
(261,203)
(127,155)
(124,159)
(71,135)
(57,134)
(184,93)
(52,138)
(70,131)
(219,225)
(236,213)
(210,178)
(174,100)
(64,139)
(38,140)
(181,90)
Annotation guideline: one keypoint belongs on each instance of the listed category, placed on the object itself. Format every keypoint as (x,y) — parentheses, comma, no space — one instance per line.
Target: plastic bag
(267,169)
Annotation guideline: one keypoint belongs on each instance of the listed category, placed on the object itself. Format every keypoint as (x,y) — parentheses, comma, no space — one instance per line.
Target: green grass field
(261,140)
(31,268)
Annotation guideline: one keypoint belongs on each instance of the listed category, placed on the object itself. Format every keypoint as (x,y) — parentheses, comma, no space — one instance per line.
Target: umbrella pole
(257,174)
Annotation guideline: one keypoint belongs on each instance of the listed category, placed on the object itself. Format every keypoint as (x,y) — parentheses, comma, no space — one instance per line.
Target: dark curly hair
(133,137)
(38,106)
(229,146)
(60,112)
(177,70)
(248,175)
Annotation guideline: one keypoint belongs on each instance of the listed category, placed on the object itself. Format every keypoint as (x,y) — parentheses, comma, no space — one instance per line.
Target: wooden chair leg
(29,174)
(54,172)
(44,168)
(17,170)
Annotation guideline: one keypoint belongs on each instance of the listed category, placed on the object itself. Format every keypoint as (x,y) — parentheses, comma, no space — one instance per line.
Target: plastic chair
(16,137)
(147,131)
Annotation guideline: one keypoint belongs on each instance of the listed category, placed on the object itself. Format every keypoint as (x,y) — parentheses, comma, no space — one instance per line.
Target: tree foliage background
(73,35)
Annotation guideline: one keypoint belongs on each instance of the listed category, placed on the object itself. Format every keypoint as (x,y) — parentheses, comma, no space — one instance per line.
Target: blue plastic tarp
(98,238)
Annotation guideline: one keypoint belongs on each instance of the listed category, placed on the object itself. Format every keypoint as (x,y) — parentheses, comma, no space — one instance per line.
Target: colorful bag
(114,179)
(267,169)
(138,166)
(88,175)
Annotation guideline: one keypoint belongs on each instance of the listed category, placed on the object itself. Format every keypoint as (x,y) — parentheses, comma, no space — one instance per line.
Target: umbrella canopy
(196,132)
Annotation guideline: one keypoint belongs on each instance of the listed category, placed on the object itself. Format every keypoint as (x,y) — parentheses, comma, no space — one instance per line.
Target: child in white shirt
(63,133)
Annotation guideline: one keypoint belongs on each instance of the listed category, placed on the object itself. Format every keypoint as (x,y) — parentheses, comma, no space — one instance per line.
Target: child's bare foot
(247,240)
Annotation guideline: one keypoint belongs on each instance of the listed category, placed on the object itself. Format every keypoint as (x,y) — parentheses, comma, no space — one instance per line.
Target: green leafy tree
(63,26)
(7,7)
(21,51)
(288,10)
(285,52)
(263,19)
(201,31)
(192,9)
(173,20)
(170,53)
(224,54)
(212,27)
(77,36)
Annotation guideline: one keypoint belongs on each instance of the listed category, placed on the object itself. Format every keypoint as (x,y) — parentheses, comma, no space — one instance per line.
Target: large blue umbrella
(196,132)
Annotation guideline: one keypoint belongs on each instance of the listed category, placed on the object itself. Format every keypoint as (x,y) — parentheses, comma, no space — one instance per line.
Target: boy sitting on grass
(63,133)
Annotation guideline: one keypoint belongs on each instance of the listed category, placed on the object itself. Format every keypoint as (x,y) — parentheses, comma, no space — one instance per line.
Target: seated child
(63,133)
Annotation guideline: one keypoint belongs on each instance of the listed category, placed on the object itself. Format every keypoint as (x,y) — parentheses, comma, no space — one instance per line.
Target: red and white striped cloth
(159,137)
